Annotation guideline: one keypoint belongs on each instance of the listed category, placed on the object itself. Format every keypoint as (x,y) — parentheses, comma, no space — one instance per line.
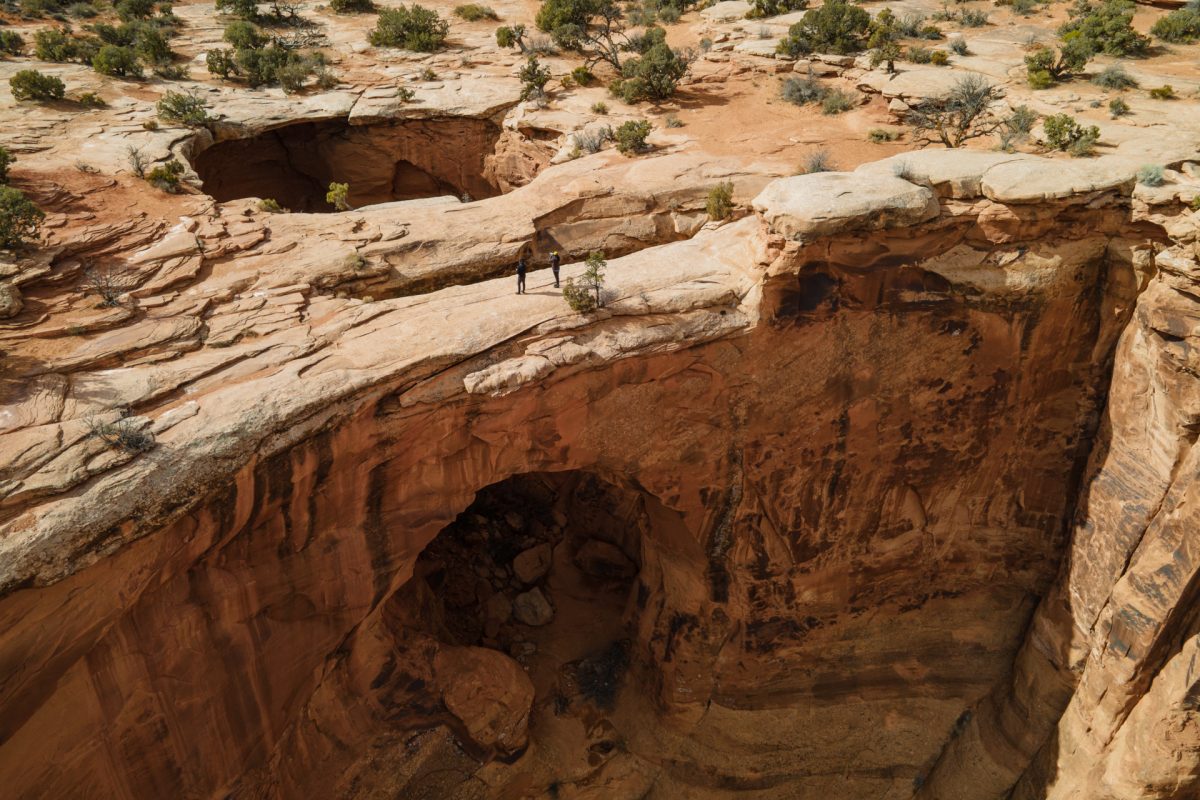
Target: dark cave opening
(384,162)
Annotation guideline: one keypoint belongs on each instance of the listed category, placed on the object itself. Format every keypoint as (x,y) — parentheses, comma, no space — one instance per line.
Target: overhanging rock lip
(828,203)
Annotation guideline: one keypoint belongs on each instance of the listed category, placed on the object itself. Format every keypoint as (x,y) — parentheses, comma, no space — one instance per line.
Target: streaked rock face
(871,506)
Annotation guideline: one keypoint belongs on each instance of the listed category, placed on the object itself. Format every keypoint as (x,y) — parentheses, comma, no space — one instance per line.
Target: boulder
(533,564)
(604,560)
(532,608)
(489,693)
(837,202)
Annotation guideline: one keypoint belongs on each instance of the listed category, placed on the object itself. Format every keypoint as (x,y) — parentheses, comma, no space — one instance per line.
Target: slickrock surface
(885,487)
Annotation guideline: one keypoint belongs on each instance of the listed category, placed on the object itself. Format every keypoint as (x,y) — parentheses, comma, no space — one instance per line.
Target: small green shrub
(838,102)
(128,10)
(919,55)
(117,61)
(1151,175)
(11,43)
(473,12)
(803,91)
(815,162)
(972,19)
(222,63)
(1181,26)
(654,76)
(939,58)
(514,36)
(20,219)
(773,8)
(836,27)
(29,84)
(410,28)
(582,75)
(166,176)
(720,201)
(338,196)
(185,109)
(1117,107)
(6,161)
(1114,77)
(631,137)
(588,293)
(673,121)
(351,6)
(82,10)
(244,35)
(124,434)
(958,46)
(534,78)
(1105,26)
(881,135)
(1064,133)
(91,100)
(600,107)
(270,205)
(1166,92)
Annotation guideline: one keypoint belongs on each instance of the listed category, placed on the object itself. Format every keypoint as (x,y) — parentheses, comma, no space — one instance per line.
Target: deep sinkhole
(294,164)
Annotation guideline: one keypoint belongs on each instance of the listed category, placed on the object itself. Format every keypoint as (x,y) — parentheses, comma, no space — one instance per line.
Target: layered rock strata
(841,446)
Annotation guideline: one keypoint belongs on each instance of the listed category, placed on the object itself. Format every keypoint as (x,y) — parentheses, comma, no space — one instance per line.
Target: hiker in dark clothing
(554,262)
(521,275)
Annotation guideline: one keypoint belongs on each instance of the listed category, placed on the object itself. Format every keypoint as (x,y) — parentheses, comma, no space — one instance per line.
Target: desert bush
(1166,92)
(971,18)
(11,43)
(587,294)
(919,55)
(838,101)
(108,284)
(56,44)
(29,84)
(600,107)
(242,34)
(835,27)
(410,28)
(473,12)
(20,219)
(673,121)
(1117,107)
(128,10)
(534,78)
(815,162)
(1044,67)
(246,9)
(185,109)
(803,91)
(221,63)
(82,10)
(1105,27)
(124,434)
(565,20)
(939,58)
(773,8)
(352,6)
(1114,76)
(1151,175)
(270,205)
(958,46)
(1181,26)
(654,76)
(720,201)
(338,195)
(881,135)
(591,141)
(6,161)
(117,61)
(964,114)
(166,176)
(630,137)
(582,75)
(136,160)
(1063,132)
(511,36)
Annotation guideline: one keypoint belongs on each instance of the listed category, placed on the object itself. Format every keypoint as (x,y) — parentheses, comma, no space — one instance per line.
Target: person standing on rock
(555,261)
(521,274)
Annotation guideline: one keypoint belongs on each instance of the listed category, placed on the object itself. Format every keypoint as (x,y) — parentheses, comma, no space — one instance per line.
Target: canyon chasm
(885,485)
